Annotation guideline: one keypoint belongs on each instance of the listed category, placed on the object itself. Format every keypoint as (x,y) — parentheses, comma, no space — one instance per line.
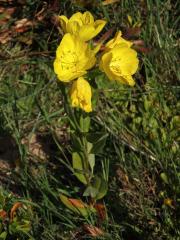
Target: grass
(141,152)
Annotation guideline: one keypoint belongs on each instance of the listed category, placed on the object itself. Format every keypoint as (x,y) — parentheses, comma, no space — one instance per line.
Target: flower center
(115,66)
(69,61)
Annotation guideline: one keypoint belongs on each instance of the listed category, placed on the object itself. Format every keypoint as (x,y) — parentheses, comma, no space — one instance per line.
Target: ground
(141,153)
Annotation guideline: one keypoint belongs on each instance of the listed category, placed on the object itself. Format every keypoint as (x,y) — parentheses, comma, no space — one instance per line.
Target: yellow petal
(104,65)
(63,22)
(117,40)
(78,17)
(91,59)
(88,18)
(66,44)
(73,27)
(87,108)
(81,94)
(99,25)
(126,80)
(87,32)
(97,48)
(111,43)
(130,81)
(66,75)
(128,59)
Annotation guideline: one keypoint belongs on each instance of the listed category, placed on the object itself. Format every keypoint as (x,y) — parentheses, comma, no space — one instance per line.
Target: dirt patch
(8,157)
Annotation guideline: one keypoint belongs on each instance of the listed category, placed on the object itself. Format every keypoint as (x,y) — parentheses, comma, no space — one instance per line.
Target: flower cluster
(75,55)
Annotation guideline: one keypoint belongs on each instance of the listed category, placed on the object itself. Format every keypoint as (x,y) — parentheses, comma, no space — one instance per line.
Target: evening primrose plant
(76,56)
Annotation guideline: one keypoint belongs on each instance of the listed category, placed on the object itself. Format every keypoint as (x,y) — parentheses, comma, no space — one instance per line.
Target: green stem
(68,109)
(76,126)
(86,159)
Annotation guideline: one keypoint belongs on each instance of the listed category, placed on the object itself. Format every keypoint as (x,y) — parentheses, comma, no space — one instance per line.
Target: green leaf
(3,235)
(91,157)
(101,185)
(76,142)
(78,167)
(94,137)
(91,160)
(90,192)
(25,104)
(89,147)
(98,140)
(96,182)
(164,178)
(147,104)
(20,226)
(93,189)
(85,123)
(102,190)
(97,189)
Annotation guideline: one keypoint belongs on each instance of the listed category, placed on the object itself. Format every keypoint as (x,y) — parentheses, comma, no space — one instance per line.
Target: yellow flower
(81,94)
(73,58)
(120,63)
(168,202)
(117,40)
(82,25)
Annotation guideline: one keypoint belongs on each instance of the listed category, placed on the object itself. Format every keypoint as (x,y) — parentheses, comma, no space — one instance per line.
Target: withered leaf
(14,209)
(93,231)
(5,36)
(132,32)
(107,2)
(101,211)
(23,25)
(3,214)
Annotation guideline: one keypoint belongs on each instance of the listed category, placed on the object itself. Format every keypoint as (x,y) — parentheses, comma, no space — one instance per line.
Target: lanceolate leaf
(76,142)
(78,167)
(98,140)
(3,235)
(90,192)
(102,190)
(97,189)
(85,123)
